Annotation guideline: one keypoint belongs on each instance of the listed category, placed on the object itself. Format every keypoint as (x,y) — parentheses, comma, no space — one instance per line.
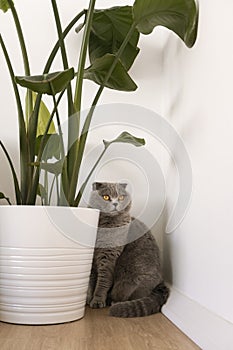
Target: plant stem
(46,187)
(82,56)
(64,173)
(34,118)
(51,189)
(62,36)
(74,150)
(82,188)
(86,126)
(57,45)
(69,92)
(21,37)
(33,192)
(24,54)
(32,131)
(64,55)
(58,122)
(8,200)
(24,156)
(58,194)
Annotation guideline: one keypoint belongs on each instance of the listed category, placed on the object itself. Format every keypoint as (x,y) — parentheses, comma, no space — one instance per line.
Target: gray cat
(126,270)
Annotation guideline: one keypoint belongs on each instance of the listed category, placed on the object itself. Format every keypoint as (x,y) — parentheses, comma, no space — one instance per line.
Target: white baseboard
(206,329)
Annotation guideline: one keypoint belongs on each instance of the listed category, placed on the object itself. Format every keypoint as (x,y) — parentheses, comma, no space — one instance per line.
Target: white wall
(198,102)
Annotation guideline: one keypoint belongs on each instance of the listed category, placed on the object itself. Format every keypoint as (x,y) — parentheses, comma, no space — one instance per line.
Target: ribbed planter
(45,262)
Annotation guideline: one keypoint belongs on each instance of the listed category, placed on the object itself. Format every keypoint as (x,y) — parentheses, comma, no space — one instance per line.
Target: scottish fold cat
(126,271)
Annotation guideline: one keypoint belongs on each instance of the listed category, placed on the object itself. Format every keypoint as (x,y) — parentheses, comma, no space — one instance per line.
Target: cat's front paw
(97,303)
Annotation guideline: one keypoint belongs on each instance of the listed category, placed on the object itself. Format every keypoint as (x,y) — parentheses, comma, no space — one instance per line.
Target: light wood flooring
(97,331)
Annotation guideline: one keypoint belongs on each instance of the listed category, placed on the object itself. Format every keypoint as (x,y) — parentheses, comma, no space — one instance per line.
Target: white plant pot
(45,262)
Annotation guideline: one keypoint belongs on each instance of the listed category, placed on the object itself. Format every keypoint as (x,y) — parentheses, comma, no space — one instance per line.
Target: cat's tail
(142,307)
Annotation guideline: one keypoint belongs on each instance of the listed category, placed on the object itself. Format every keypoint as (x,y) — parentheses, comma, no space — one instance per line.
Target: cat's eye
(121,198)
(106,198)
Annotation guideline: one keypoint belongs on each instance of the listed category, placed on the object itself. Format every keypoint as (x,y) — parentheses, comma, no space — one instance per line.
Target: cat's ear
(96,186)
(123,185)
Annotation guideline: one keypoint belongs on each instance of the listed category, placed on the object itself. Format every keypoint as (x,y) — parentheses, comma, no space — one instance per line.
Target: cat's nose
(115,204)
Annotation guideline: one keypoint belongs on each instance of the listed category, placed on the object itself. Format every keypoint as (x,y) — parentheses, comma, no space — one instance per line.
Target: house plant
(111,37)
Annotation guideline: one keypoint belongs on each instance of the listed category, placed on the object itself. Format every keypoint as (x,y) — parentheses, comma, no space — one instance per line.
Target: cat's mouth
(115,210)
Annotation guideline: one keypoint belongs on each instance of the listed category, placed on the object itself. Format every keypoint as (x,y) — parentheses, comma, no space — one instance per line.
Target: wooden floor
(97,331)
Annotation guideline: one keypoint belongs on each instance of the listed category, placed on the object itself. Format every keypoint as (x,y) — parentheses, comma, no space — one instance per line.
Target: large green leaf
(108,31)
(180,16)
(119,79)
(126,137)
(4,5)
(50,84)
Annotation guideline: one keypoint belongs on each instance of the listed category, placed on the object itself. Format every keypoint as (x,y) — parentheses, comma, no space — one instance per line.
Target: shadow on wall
(163,242)
(179,106)
(173,83)
(167,265)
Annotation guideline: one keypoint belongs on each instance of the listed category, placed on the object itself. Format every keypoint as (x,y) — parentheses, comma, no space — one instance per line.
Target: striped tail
(142,307)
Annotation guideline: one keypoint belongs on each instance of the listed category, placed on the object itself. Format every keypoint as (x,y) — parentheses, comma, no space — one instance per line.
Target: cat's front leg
(103,285)
(105,265)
